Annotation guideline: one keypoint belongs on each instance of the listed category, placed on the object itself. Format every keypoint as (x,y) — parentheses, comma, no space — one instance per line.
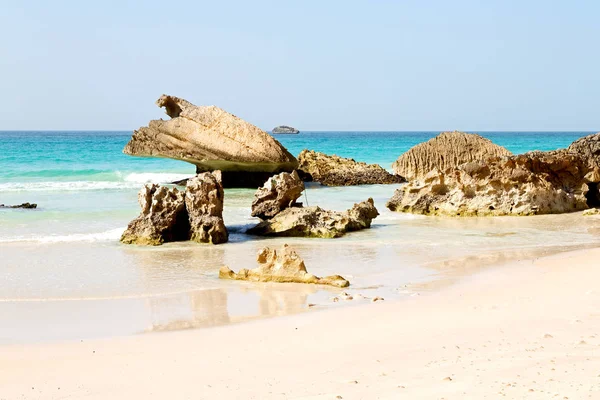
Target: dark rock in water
(339,171)
(316,222)
(24,205)
(283,129)
(278,193)
(204,203)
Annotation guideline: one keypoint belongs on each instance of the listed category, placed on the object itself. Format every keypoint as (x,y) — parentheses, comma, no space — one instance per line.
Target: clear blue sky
(330,65)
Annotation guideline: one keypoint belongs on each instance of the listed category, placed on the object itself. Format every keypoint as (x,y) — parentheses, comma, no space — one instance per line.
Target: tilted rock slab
(527,184)
(447,150)
(210,138)
(163,217)
(280,266)
(316,222)
(204,203)
(278,193)
(339,171)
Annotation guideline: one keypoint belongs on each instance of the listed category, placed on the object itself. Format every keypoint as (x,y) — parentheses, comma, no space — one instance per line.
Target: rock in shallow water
(163,217)
(447,150)
(204,203)
(278,193)
(316,222)
(526,184)
(338,171)
(23,205)
(169,215)
(280,266)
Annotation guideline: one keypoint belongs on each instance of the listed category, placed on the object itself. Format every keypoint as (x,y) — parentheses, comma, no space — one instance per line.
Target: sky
(315,65)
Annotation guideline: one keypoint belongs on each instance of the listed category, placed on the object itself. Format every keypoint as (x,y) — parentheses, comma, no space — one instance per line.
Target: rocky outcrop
(163,217)
(278,193)
(447,150)
(204,203)
(338,171)
(170,215)
(527,184)
(588,148)
(23,205)
(284,129)
(280,266)
(212,139)
(316,222)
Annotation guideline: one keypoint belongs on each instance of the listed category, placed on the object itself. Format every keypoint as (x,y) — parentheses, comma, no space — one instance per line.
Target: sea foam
(109,235)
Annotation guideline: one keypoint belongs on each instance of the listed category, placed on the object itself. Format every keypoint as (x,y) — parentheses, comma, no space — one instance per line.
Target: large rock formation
(527,184)
(447,150)
(338,171)
(284,129)
(316,222)
(212,139)
(278,193)
(169,215)
(163,217)
(280,266)
(588,148)
(204,204)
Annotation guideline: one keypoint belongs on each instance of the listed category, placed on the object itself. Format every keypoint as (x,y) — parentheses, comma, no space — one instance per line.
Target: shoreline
(524,330)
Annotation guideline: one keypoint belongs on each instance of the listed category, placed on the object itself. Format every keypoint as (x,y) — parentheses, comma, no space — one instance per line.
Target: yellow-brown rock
(447,150)
(526,184)
(212,139)
(280,266)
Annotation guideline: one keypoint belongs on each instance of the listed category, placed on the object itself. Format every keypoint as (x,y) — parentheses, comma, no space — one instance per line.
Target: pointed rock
(278,193)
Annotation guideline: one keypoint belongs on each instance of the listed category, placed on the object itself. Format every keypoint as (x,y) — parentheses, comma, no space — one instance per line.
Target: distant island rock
(285,130)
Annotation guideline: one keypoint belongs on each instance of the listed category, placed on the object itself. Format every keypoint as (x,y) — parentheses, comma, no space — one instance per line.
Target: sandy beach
(526,330)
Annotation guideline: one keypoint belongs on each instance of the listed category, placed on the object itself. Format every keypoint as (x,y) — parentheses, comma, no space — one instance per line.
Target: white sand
(525,331)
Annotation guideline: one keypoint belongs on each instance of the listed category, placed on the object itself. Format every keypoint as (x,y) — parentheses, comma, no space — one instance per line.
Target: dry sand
(529,330)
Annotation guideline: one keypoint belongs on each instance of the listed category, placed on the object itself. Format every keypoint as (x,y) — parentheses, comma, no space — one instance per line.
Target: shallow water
(65,275)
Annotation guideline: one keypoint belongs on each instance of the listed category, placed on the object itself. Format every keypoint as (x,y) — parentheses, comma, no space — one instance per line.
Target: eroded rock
(588,148)
(280,266)
(527,184)
(212,139)
(447,150)
(278,193)
(204,202)
(316,222)
(339,171)
(163,217)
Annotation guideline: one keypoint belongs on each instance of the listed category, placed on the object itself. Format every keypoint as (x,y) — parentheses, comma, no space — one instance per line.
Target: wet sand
(527,330)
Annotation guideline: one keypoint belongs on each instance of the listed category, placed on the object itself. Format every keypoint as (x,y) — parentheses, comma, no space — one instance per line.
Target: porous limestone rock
(527,184)
(316,222)
(212,139)
(204,203)
(588,148)
(163,217)
(284,129)
(339,171)
(447,150)
(280,266)
(591,211)
(278,193)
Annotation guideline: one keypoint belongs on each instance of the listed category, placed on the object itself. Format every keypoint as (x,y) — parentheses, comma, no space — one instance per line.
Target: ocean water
(62,266)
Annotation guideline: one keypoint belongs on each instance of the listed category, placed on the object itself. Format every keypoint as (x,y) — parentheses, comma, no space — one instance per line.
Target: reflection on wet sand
(214,307)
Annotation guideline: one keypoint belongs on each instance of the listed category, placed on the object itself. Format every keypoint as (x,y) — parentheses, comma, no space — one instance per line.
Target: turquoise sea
(63,266)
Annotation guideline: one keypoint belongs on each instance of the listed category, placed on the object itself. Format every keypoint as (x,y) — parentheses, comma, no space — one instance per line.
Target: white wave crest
(155,177)
(110,235)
